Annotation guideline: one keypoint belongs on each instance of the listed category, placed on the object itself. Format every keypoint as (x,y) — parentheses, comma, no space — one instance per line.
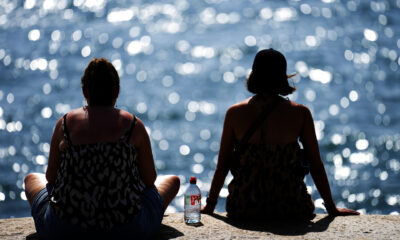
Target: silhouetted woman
(267,175)
(100,175)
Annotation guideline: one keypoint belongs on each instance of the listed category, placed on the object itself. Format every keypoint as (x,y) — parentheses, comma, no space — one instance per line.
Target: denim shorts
(50,226)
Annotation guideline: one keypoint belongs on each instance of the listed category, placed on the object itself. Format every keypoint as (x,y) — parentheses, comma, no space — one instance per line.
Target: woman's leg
(168,187)
(34,182)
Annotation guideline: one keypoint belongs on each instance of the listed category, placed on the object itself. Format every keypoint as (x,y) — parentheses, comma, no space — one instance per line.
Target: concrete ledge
(219,227)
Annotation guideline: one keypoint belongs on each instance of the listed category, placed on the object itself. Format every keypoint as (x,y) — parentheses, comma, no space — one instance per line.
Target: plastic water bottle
(192,203)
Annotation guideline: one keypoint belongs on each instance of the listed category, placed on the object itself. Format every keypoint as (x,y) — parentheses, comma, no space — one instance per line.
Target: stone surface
(219,227)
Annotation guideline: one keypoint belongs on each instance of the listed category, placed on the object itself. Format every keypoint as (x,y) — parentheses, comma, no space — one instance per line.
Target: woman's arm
(317,169)
(140,139)
(222,169)
(54,156)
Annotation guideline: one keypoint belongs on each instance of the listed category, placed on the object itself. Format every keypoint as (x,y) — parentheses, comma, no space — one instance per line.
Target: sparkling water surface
(183,63)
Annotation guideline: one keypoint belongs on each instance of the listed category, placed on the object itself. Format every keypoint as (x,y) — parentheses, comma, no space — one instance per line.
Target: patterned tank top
(267,185)
(98,185)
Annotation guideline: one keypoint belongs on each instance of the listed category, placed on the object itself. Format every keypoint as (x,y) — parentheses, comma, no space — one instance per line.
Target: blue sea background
(183,63)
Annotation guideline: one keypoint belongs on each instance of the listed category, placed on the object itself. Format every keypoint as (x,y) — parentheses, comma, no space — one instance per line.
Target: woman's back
(267,179)
(283,125)
(98,183)
(268,184)
(97,124)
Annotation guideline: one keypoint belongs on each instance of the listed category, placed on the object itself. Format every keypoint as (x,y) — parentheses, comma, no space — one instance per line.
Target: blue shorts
(50,226)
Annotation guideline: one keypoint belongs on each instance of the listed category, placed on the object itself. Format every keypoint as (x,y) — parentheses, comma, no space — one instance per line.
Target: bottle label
(192,200)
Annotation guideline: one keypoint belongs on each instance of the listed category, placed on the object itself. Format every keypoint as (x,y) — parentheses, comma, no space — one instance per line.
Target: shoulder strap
(128,133)
(266,111)
(65,130)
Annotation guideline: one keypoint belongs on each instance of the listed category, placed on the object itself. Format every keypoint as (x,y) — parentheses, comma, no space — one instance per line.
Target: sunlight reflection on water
(183,63)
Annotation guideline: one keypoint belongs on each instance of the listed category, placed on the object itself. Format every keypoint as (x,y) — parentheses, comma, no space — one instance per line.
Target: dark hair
(268,75)
(100,80)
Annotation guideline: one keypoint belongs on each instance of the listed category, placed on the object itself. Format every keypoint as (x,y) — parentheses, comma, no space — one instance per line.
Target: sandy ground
(219,227)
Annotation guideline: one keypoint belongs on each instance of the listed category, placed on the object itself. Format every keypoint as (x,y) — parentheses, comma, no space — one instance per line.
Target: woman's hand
(342,212)
(208,209)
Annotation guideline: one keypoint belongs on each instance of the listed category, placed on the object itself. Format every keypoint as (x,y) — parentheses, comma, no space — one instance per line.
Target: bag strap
(65,130)
(128,133)
(265,112)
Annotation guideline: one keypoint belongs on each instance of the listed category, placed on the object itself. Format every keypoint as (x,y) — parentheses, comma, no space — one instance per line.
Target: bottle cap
(193,180)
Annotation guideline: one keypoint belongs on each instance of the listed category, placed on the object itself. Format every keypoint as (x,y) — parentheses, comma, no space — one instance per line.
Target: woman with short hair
(100,176)
(268,175)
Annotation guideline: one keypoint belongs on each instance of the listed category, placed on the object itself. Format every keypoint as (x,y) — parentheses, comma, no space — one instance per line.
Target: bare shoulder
(140,128)
(301,111)
(58,130)
(238,107)
(126,116)
(75,114)
(58,125)
(124,113)
(294,104)
(76,111)
(140,137)
(241,104)
(140,124)
(71,116)
(297,106)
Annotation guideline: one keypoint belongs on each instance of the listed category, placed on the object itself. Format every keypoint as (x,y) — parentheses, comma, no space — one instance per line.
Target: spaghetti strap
(65,130)
(128,133)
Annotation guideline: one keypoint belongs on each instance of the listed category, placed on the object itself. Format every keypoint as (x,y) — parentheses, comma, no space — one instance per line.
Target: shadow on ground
(280,227)
(165,232)
(33,236)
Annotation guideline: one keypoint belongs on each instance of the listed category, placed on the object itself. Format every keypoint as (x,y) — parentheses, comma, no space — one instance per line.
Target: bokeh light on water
(182,63)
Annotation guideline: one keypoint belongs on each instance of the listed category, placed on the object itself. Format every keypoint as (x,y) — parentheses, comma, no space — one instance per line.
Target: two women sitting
(100,179)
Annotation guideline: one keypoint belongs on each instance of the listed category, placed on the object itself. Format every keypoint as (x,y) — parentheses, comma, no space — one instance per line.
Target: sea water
(183,63)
